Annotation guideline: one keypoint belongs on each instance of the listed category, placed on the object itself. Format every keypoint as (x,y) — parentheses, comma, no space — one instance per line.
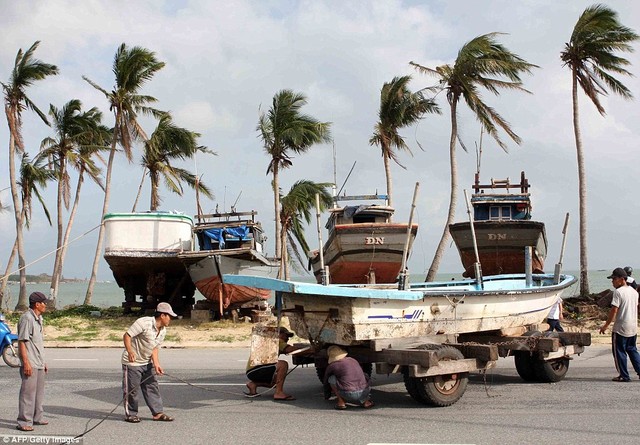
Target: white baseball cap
(165,308)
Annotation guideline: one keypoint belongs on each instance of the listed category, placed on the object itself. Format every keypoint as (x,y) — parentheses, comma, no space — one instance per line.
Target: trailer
(436,370)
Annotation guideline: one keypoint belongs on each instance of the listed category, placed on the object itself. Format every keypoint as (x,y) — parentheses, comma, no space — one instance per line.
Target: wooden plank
(575,338)
(483,353)
(548,344)
(420,357)
(409,342)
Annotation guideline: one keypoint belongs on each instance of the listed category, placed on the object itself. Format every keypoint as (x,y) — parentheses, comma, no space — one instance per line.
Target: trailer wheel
(525,366)
(320,373)
(440,390)
(552,370)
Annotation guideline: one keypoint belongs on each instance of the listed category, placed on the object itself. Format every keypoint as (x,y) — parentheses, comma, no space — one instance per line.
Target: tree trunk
(12,119)
(7,272)
(72,215)
(105,209)
(582,184)
(387,172)
(154,191)
(276,206)
(135,203)
(435,264)
(57,270)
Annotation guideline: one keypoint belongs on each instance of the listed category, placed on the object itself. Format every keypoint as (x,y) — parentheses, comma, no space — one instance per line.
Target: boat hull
(355,251)
(206,273)
(352,315)
(501,246)
(142,251)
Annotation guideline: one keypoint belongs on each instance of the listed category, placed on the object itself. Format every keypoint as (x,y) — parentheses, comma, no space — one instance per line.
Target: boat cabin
(359,214)
(491,205)
(233,230)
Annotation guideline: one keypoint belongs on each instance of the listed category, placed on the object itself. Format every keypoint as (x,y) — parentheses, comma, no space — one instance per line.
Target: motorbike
(8,344)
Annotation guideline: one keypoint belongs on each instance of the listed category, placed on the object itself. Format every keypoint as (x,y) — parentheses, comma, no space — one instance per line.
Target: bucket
(264,345)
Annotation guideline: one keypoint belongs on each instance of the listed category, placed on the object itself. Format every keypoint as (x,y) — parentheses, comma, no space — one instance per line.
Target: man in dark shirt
(347,380)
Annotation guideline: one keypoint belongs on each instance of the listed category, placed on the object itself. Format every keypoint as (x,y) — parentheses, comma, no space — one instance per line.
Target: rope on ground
(87,430)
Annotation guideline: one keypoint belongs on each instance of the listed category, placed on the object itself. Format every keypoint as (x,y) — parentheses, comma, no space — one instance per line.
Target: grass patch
(79,336)
(173,337)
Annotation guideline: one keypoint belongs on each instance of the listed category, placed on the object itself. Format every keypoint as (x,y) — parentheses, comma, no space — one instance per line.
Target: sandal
(132,419)
(340,407)
(620,379)
(163,418)
(369,406)
(24,428)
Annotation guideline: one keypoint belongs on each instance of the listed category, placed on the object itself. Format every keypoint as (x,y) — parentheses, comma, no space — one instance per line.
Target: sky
(225,60)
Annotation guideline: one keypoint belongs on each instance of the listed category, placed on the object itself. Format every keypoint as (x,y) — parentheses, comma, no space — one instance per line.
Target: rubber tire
(551,371)
(320,373)
(434,390)
(9,357)
(524,361)
(525,366)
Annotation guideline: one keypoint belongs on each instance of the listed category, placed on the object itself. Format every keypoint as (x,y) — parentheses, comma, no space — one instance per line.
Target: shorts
(358,397)
(262,373)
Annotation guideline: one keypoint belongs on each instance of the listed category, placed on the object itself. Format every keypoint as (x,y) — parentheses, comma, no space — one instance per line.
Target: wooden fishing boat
(353,314)
(503,229)
(363,245)
(142,251)
(229,243)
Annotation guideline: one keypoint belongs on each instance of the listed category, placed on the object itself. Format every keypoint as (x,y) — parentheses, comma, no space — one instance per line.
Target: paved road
(84,385)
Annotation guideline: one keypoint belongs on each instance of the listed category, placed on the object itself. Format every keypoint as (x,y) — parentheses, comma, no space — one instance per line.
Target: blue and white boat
(354,314)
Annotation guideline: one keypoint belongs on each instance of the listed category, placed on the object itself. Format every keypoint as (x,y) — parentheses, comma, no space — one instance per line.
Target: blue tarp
(220,235)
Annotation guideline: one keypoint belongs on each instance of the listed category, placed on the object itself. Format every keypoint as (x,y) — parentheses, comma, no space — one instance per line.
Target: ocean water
(107,294)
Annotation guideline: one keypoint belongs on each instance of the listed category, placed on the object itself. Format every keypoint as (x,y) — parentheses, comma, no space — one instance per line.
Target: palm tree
(26,71)
(297,205)
(480,63)
(399,108)
(168,143)
(590,55)
(33,174)
(284,129)
(132,67)
(73,129)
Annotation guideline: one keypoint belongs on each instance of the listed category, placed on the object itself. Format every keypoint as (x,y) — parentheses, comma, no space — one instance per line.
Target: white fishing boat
(353,314)
(142,251)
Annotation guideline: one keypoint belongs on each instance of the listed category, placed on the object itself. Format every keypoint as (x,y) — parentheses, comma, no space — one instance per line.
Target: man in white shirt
(624,310)
(140,363)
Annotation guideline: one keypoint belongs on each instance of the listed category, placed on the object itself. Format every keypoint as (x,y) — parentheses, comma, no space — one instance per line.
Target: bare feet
(252,387)
(283,397)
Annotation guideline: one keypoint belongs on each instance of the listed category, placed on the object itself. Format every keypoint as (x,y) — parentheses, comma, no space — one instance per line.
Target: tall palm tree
(298,205)
(26,71)
(481,62)
(73,129)
(399,108)
(132,67)
(168,143)
(284,129)
(33,176)
(590,55)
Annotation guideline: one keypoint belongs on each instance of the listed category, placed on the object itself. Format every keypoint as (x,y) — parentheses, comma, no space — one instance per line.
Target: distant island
(43,278)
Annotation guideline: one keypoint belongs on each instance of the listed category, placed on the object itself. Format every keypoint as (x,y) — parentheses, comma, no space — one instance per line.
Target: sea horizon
(107,293)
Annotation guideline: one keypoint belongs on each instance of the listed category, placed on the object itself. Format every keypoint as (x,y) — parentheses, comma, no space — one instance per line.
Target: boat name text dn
(368,240)
(497,236)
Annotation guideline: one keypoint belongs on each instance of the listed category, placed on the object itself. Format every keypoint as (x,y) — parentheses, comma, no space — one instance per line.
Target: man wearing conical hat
(347,380)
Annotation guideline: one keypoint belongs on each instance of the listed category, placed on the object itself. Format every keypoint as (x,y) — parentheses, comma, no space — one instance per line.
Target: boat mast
(402,281)
(476,266)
